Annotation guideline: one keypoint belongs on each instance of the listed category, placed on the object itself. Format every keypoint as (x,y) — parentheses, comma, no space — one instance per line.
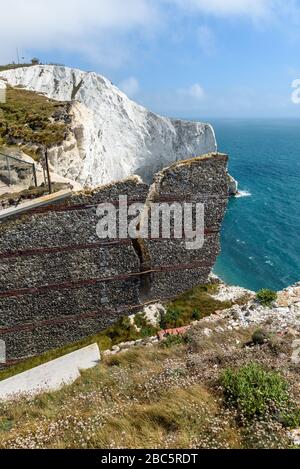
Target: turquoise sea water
(261,232)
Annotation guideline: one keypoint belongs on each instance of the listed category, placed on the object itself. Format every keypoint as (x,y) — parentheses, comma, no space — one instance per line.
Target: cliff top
(112,136)
(30,119)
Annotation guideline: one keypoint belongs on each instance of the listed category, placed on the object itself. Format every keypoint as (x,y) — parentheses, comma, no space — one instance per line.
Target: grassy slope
(161,396)
(153,397)
(199,298)
(3,68)
(141,402)
(28,118)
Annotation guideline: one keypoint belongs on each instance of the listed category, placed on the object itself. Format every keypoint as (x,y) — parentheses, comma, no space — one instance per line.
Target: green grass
(3,68)
(28,118)
(137,399)
(266,297)
(193,305)
(151,397)
(255,392)
(146,329)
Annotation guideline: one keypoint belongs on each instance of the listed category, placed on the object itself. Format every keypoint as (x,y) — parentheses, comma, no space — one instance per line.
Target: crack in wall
(139,244)
(145,265)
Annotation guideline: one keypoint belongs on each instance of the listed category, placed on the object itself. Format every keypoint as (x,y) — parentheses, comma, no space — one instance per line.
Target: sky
(181,58)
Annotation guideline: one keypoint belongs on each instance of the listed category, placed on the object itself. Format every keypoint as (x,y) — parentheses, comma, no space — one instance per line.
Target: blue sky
(185,58)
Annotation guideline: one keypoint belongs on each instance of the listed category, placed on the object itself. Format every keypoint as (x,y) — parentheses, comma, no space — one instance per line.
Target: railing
(8,164)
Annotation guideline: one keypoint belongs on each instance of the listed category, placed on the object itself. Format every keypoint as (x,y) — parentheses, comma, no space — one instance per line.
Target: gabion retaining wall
(60,283)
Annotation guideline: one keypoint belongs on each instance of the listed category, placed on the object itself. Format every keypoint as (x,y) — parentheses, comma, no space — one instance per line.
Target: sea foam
(243,194)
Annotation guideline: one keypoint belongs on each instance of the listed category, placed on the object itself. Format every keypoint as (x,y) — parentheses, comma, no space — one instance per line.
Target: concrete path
(50,376)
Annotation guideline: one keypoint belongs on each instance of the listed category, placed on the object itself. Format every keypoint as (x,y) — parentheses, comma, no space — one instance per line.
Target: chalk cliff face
(112,137)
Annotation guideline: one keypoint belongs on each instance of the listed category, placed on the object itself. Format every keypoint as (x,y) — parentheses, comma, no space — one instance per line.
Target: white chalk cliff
(112,137)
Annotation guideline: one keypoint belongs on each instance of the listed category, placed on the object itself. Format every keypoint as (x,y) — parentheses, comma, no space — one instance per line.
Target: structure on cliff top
(60,282)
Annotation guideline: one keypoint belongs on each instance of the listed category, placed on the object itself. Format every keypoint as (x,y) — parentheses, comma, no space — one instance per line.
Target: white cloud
(97,29)
(106,32)
(206,40)
(296,93)
(130,86)
(195,92)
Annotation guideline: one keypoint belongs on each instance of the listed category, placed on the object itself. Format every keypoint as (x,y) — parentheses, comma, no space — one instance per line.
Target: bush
(196,316)
(172,340)
(290,417)
(148,331)
(255,392)
(140,320)
(266,297)
(122,331)
(171,319)
(146,328)
(259,337)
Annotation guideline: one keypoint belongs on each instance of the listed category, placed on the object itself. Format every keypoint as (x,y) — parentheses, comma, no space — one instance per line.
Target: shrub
(146,328)
(6,425)
(259,337)
(196,316)
(148,331)
(255,392)
(171,319)
(172,340)
(140,320)
(122,331)
(290,417)
(266,297)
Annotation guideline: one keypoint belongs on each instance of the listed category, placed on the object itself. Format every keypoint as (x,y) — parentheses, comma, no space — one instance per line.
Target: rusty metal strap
(75,317)
(159,199)
(60,249)
(81,247)
(96,281)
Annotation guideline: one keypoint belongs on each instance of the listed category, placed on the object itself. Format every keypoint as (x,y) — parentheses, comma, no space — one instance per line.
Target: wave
(243,194)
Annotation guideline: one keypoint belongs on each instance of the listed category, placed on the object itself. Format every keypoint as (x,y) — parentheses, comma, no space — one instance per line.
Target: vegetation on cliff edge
(30,119)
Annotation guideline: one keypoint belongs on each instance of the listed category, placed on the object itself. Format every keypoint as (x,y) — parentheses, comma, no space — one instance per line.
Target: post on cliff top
(46,162)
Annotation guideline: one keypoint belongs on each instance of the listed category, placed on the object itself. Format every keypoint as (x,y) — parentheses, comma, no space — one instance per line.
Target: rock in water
(112,136)
(233,186)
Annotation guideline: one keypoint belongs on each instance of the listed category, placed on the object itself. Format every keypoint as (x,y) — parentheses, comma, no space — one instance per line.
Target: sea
(261,231)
